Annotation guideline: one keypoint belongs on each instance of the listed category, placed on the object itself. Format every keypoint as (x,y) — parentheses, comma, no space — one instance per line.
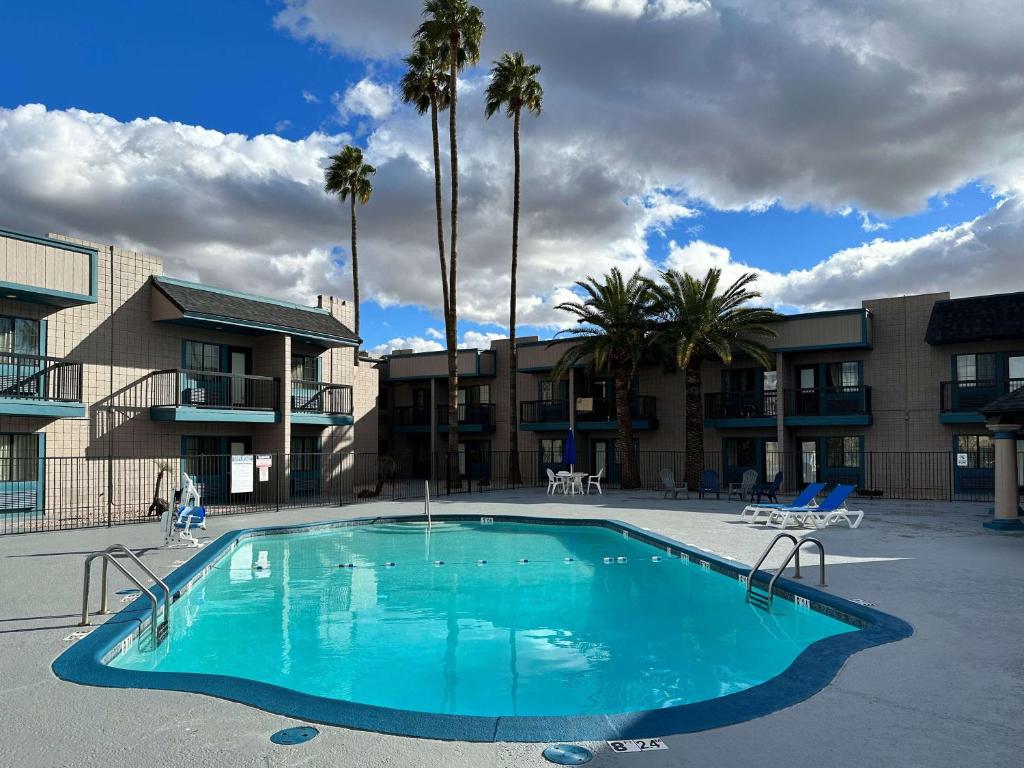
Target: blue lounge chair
(831,510)
(709,484)
(769,490)
(805,498)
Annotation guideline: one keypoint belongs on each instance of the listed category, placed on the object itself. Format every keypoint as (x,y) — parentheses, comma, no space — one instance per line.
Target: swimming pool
(504,629)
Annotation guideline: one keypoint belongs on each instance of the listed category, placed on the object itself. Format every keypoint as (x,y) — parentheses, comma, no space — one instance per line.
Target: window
(304,368)
(546,391)
(980,450)
(772,460)
(475,395)
(551,450)
(304,452)
(843,451)
(202,446)
(200,356)
(974,367)
(19,336)
(741,452)
(842,374)
(19,458)
(741,380)
(769,381)
(1015,370)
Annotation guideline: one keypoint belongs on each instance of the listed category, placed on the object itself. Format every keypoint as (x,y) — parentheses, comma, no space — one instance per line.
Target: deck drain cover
(290,736)
(567,754)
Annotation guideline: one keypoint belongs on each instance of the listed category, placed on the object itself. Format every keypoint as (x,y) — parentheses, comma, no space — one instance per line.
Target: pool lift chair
(189,514)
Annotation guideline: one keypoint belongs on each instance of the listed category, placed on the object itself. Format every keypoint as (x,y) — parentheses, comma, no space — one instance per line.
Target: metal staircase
(112,555)
(762,598)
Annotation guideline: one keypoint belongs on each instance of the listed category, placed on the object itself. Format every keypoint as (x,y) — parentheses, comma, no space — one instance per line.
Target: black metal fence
(33,377)
(52,493)
(208,389)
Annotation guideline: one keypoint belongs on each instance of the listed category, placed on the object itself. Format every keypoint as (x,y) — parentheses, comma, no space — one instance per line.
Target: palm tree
(454,29)
(699,323)
(425,86)
(514,86)
(615,329)
(348,177)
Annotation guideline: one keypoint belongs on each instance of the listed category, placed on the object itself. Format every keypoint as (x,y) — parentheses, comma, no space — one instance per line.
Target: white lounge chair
(594,481)
(831,510)
(668,482)
(804,499)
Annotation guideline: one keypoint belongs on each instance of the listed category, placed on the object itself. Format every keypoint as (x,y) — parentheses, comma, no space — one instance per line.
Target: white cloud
(415,343)
(869,225)
(376,100)
(282,125)
(434,333)
(310,98)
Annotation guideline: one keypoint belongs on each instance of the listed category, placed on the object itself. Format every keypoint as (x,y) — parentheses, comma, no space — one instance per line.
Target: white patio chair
(668,482)
(555,483)
(745,487)
(594,481)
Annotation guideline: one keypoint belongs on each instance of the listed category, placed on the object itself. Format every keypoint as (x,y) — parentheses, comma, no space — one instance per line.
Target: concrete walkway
(948,696)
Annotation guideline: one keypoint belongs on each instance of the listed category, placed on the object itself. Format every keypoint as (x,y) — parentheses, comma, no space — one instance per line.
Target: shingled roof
(203,304)
(1010,403)
(979,318)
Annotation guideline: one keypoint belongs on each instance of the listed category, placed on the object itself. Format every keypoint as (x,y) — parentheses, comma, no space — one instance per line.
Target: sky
(840,150)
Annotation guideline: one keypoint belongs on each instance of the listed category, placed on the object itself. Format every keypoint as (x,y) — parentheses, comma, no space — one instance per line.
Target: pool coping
(813,669)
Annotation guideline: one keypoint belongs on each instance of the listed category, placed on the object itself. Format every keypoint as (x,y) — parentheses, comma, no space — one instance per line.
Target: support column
(789,479)
(1007,511)
(433,425)
(572,399)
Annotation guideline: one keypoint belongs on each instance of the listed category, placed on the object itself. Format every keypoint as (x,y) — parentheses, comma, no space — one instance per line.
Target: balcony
(960,402)
(32,385)
(478,417)
(740,409)
(318,402)
(591,413)
(184,395)
(412,418)
(828,406)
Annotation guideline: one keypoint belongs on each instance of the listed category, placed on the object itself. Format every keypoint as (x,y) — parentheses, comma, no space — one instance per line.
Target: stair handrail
(796,551)
(110,555)
(764,555)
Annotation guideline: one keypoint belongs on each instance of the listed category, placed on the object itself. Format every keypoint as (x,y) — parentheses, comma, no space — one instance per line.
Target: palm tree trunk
(355,264)
(694,424)
(453,315)
(437,206)
(630,472)
(513,352)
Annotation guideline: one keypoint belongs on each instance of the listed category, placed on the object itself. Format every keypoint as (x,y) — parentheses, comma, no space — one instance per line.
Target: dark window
(200,356)
(980,450)
(19,458)
(741,452)
(972,367)
(304,454)
(551,450)
(842,374)
(843,451)
(19,336)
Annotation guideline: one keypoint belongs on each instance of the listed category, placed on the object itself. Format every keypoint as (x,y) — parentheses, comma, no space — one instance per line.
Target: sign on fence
(961,459)
(242,474)
(264,461)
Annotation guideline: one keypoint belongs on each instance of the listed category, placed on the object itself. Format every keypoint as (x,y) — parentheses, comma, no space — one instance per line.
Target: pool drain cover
(291,736)
(567,754)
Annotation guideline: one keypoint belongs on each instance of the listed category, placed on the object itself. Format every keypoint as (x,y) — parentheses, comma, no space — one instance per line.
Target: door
(809,461)
(740,455)
(602,456)
(239,365)
(807,392)
(305,466)
(1015,372)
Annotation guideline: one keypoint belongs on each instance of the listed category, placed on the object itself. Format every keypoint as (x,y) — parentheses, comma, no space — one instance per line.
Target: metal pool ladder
(110,555)
(765,600)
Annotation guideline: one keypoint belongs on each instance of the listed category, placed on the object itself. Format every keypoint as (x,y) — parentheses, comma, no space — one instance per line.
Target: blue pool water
(549,636)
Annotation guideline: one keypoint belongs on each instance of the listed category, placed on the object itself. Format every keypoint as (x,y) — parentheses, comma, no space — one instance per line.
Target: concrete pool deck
(948,696)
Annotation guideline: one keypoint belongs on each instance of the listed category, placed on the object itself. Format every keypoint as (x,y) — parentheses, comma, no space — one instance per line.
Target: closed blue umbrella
(569,452)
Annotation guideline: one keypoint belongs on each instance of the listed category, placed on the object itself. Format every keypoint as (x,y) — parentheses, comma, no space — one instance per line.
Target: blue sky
(226,66)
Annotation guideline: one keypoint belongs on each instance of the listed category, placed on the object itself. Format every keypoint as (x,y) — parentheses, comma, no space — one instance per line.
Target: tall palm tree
(514,86)
(454,28)
(348,177)
(699,322)
(425,86)
(615,329)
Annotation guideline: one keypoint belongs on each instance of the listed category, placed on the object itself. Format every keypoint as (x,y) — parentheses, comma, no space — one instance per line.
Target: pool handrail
(110,555)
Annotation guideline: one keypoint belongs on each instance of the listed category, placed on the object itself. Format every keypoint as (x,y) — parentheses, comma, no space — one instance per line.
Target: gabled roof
(1010,403)
(978,318)
(204,305)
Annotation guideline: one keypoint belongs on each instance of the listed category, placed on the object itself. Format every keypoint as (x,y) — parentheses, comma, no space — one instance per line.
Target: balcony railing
(207,389)
(829,401)
(33,377)
(322,398)
(974,395)
(412,416)
(641,407)
(544,411)
(740,405)
(469,413)
(587,409)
